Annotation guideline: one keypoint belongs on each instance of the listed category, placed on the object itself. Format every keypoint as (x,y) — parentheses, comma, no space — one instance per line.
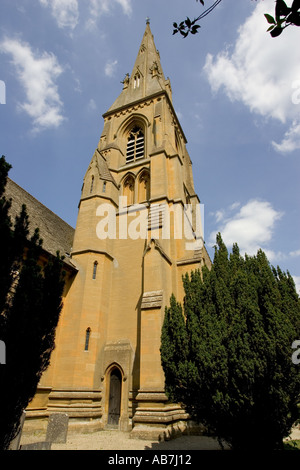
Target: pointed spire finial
(147,20)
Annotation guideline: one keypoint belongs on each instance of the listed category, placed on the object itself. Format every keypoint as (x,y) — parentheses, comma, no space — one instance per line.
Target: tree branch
(284,16)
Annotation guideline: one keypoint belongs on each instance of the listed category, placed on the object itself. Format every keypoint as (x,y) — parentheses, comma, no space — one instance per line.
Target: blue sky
(235,89)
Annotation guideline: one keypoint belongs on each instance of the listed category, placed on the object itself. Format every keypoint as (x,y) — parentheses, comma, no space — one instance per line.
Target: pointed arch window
(136,81)
(92,184)
(135,145)
(128,189)
(144,186)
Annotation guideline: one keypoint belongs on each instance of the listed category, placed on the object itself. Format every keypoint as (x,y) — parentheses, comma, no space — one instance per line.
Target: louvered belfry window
(135,145)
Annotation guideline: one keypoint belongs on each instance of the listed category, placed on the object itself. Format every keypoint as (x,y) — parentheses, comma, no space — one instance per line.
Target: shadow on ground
(187,443)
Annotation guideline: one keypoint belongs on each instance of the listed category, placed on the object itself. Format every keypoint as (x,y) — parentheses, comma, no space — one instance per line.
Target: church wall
(123,307)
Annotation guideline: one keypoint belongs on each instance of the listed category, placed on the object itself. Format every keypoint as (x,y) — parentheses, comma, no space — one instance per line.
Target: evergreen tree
(240,318)
(30,301)
(174,347)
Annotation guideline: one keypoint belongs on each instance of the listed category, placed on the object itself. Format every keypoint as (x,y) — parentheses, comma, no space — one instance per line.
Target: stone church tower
(129,253)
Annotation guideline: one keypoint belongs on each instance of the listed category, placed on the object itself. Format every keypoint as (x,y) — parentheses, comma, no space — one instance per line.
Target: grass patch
(293,444)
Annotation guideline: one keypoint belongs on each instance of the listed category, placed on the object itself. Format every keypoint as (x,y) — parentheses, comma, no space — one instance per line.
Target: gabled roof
(100,165)
(104,172)
(57,235)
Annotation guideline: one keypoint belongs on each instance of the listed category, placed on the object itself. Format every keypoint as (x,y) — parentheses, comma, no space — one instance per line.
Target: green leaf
(281,9)
(276,31)
(183,34)
(270,19)
(295,6)
(188,22)
(195,28)
(294,18)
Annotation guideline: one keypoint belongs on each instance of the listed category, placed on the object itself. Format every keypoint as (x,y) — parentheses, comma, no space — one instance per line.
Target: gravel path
(116,440)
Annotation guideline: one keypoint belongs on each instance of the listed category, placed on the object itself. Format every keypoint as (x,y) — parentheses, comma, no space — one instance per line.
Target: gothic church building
(126,259)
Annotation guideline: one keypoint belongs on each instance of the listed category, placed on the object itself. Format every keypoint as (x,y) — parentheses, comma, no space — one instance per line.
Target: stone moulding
(152,299)
(196,258)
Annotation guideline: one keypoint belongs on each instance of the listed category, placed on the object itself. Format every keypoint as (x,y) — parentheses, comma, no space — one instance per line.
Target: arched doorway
(115,389)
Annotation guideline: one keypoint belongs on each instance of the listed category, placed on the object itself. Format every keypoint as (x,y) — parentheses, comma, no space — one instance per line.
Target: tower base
(82,406)
(157,419)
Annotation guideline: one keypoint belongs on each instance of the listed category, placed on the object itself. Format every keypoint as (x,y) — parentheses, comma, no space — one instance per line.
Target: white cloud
(65,12)
(295,253)
(77,85)
(251,227)
(180,116)
(37,75)
(235,205)
(126,6)
(262,72)
(291,140)
(110,67)
(275,256)
(92,105)
(99,7)
(219,215)
(297,282)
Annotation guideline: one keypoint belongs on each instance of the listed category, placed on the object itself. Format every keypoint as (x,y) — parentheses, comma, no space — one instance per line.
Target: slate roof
(57,235)
(104,172)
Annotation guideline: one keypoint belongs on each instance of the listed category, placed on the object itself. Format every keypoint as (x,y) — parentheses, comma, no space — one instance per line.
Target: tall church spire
(147,77)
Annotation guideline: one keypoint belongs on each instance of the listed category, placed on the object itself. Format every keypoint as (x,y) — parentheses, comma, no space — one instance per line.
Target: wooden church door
(114,407)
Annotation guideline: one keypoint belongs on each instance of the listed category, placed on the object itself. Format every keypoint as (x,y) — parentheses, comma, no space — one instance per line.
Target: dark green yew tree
(228,357)
(30,304)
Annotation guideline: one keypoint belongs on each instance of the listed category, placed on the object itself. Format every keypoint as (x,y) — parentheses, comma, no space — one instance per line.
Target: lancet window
(95,269)
(144,186)
(87,339)
(136,81)
(128,189)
